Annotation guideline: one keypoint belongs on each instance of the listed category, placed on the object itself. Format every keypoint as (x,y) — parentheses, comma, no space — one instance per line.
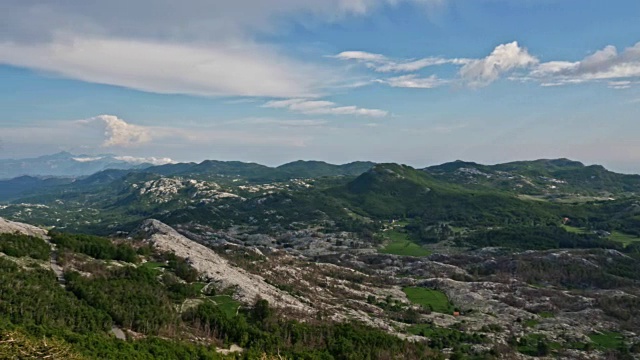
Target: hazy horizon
(163,160)
(420,82)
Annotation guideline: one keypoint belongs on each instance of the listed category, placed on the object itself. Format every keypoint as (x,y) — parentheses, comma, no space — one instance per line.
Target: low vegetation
(399,243)
(433,300)
(22,245)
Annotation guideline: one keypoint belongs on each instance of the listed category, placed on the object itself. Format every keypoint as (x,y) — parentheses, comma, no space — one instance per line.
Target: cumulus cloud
(381,63)
(119,133)
(620,70)
(321,107)
(504,58)
(606,64)
(135,143)
(472,72)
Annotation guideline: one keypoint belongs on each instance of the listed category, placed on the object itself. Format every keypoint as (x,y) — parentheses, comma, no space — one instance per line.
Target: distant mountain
(28,185)
(314,169)
(257,172)
(215,168)
(65,164)
(539,177)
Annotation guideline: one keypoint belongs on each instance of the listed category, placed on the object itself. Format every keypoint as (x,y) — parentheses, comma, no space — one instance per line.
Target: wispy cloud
(214,69)
(620,85)
(194,47)
(381,63)
(283,123)
(322,107)
(620,70)
(472,72)
(414,81)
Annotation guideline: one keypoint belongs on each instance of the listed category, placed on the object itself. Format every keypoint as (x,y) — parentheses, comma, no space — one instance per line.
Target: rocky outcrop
(7,226)
(213,266)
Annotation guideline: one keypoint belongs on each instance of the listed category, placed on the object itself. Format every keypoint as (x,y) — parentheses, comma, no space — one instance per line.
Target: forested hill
(163,306)
(540,177)
(400,191)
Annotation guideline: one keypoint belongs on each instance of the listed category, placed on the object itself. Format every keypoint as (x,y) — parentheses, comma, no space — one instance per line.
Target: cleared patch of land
(625,239)
(573,229)
(226,304)
(153,265)
(401,244)
(618,236)
(431,299)
(608,340)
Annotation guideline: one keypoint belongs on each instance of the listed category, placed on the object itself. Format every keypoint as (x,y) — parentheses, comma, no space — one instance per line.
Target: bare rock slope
(216,268)
(7,226)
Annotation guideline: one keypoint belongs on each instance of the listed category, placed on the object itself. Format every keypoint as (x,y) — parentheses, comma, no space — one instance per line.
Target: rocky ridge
(7,226)
(207,262)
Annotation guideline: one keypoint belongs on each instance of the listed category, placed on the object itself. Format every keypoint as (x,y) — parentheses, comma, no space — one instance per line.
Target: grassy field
(434,299)
(226,304)
(573,229)
(153,265)
(532,198)
(199,286)
(400,244)
(528,344)
(618,236)
(623,238)
(609,340)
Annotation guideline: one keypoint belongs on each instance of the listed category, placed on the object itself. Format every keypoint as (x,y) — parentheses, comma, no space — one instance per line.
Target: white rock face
(7,226)
(213,266)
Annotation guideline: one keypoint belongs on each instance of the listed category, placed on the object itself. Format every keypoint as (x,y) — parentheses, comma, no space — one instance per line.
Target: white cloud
(617,69)
(87,159)
(381,63)
(183,21)
(504,58)
(361,56)
(414,81)
(215,69)
(415,65)
(119,133)
(620,85)
(473,72)
(284,123)
(321,107)
(137,143)
(605,64)
(145,160)
(197,47)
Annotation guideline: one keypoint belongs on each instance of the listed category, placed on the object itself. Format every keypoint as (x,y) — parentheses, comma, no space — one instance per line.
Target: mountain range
(458,255)
(65,164)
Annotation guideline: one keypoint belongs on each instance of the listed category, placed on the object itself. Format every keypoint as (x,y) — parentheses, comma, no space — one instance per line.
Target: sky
(418,82)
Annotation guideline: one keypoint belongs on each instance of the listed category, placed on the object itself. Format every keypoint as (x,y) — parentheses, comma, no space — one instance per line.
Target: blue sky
(410,81)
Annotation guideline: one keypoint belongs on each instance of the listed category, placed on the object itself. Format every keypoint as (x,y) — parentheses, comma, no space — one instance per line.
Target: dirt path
(57,269)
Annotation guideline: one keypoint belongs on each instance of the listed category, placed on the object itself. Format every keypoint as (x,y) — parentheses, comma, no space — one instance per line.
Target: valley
(317,261)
